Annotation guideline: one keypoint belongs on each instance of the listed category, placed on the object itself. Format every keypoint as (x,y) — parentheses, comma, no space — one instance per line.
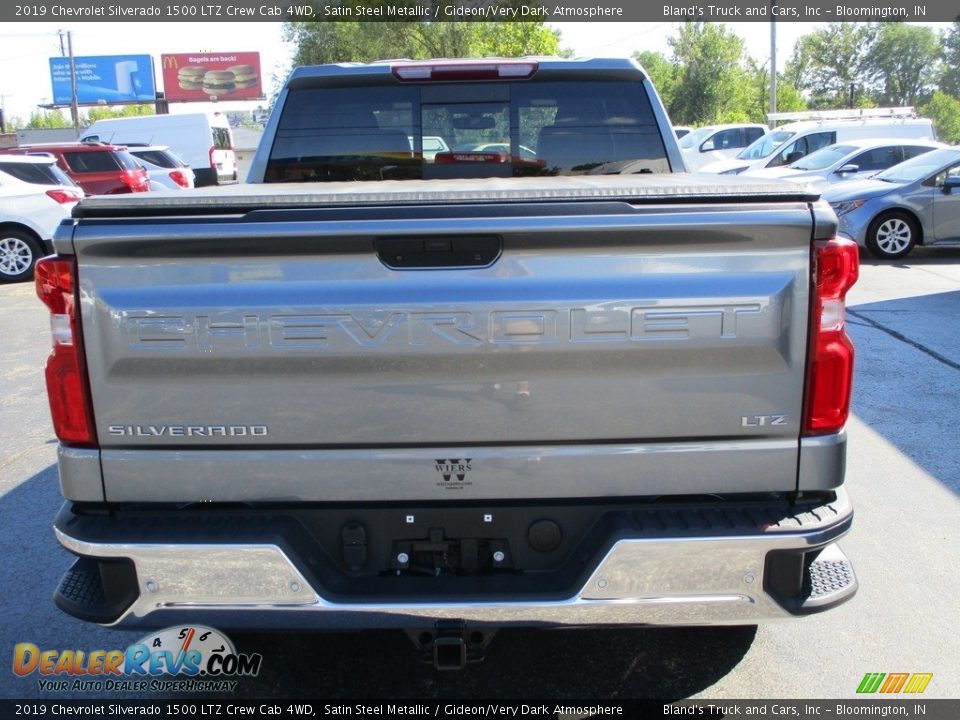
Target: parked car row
(852,160)
(203,141)
(912,199)
(892,185)
(789,143)
(40,184)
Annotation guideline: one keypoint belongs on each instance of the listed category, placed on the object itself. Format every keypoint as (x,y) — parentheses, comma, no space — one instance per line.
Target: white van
(202,141)
(789,143)
(717,142)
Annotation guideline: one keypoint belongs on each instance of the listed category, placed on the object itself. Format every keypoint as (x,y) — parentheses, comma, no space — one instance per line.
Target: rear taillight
(67,385)
(135,180)
(65,195)
(213,162)
(180,178)
(830,357)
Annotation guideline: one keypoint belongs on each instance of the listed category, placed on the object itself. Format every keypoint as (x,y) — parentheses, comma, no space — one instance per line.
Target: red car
(98,169)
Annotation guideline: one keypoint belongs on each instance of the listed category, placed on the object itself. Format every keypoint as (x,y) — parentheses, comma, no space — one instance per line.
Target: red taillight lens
(67,386)
(449,158)
(213,161)
(830,359)
(65,195)
(179,178)
(135,180)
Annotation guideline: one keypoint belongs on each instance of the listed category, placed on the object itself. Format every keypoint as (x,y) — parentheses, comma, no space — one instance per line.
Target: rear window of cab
(490,129)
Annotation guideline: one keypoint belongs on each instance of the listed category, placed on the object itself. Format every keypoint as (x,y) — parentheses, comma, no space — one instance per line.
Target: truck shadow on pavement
(907,377)
(596,663)
(29,574)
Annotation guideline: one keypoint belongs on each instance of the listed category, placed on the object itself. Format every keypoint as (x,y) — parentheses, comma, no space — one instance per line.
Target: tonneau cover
(232,199)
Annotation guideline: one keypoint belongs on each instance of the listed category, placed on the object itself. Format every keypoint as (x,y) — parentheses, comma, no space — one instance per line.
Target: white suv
(717,142)
(35,195)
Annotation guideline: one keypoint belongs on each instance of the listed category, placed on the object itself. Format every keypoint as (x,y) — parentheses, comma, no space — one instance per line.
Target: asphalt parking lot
(903,475)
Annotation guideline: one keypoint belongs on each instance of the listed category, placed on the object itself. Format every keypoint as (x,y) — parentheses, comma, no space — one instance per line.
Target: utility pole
(74,107)
(773,60)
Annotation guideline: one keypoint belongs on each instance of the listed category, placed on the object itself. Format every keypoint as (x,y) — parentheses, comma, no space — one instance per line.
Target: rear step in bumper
(724,579)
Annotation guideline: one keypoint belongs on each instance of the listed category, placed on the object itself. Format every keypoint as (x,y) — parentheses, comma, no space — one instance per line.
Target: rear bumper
(733,563)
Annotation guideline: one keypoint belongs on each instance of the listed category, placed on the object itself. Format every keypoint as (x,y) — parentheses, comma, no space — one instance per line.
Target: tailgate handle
(439,251)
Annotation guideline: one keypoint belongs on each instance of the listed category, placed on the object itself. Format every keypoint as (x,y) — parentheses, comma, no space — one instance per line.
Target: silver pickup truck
(542,377)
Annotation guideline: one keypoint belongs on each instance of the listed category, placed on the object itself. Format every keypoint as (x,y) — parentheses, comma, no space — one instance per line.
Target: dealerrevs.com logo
(189,658)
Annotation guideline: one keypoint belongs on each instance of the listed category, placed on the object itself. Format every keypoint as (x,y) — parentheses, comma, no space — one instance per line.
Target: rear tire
(892,235)
(19,252)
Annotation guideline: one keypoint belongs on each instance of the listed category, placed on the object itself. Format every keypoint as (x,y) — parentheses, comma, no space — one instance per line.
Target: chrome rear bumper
(697,578)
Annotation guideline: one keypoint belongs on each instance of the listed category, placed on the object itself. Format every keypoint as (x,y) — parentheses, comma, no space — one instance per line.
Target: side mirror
(794,156)
(846,169)
(707,146)
(951,184)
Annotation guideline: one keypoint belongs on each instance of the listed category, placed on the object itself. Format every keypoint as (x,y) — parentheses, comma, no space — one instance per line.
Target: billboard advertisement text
(202,77)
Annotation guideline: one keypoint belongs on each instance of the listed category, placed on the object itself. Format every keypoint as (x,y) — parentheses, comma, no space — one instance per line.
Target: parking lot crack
(904,339)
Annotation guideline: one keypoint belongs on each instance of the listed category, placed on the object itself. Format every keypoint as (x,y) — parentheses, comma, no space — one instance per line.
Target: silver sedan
(914,203)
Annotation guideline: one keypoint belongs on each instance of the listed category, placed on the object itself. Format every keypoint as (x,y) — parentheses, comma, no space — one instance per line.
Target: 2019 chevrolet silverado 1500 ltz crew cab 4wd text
(375,389)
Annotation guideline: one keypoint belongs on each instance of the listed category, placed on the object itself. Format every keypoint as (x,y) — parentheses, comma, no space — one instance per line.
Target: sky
(26,47)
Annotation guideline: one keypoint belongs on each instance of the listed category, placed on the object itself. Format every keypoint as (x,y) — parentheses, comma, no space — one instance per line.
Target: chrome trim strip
(662,581)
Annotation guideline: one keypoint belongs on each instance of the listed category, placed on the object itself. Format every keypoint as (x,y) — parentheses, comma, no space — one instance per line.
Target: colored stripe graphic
(870,682)
(918,683)
(895,682)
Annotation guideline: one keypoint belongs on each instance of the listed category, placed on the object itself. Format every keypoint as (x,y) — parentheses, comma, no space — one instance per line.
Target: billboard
(104,80)
(193,77)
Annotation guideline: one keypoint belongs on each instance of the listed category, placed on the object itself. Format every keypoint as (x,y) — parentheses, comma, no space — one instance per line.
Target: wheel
(892,235)
(19,252)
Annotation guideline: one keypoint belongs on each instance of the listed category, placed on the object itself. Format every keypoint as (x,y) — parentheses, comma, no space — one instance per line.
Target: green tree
(827,62)
(329,42)
(906,58)
(711,78)
(662,73)
(789,98)
(94,114)
(13,123)
(516,39)
(944,110)
(47,120)
(950,77)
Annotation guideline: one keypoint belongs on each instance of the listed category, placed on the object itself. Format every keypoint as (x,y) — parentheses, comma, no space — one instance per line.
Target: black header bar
(480,10)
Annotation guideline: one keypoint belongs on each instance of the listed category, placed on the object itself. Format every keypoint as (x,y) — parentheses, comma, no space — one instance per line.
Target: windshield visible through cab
(823,158)
(691,140)
(766,145)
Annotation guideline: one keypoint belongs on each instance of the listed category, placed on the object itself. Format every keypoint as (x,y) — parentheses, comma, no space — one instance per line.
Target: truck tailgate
(587,346)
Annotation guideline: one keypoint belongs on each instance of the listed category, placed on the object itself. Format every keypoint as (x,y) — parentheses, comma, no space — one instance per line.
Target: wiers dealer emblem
(454,473)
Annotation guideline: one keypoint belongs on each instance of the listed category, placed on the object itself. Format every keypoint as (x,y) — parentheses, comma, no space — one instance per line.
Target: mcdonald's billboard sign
(202,77)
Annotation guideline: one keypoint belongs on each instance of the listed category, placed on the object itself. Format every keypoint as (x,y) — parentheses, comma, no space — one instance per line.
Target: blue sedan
(914,203)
